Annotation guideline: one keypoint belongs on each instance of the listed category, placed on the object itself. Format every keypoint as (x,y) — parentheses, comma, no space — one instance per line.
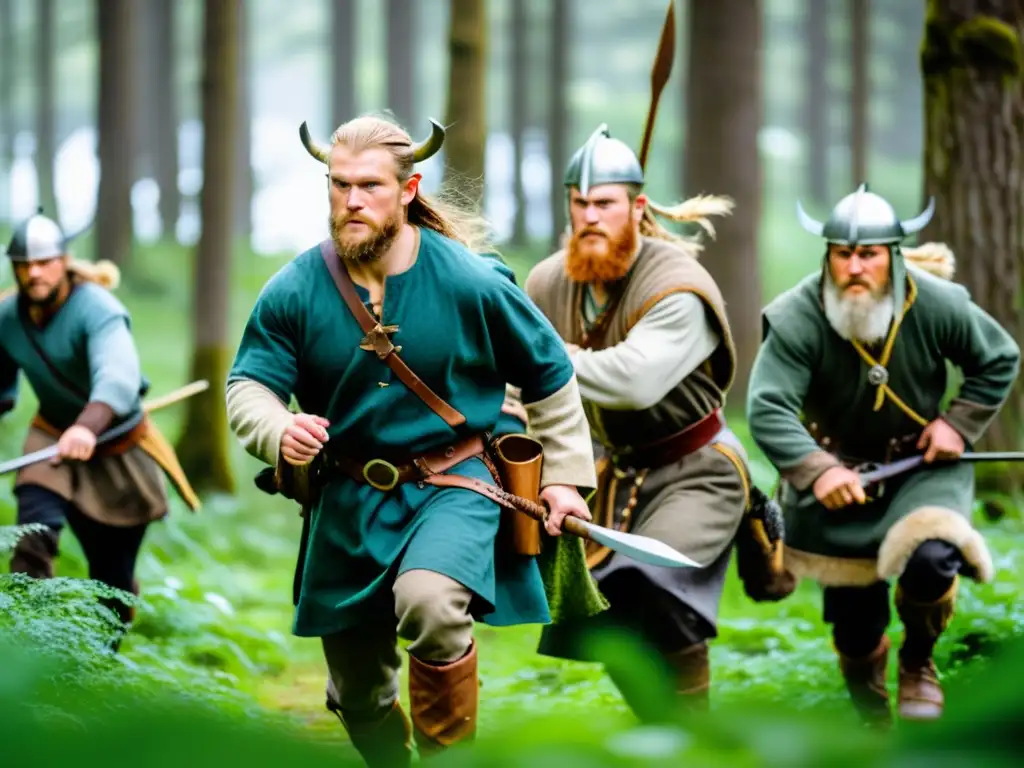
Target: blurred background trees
(102,110)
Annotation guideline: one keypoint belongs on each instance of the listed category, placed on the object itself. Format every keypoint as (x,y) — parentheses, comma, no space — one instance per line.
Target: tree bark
(115,22)
(519,105)
(724,104)
(816,103)
(158,109)
(203,448)
(342,45)
(467,104)
(166,117)
(860,96)
(7,65)
(974,166)
(401,55)
(558,77)
(245,186)
(46,101)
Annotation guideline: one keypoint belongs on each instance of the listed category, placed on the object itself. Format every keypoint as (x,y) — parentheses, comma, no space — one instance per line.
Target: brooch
(877,375)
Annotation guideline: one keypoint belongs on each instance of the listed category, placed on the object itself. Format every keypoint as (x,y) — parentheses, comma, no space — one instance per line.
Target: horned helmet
(866,218)
(39,238)
(423,150)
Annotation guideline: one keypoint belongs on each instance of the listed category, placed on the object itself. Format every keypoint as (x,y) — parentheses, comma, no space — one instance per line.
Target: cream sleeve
(560,424)
(662,349)
(258,419)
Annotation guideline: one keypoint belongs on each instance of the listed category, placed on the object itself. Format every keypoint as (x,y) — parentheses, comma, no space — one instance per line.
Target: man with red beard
(853,371)
(401,380)
(649,338)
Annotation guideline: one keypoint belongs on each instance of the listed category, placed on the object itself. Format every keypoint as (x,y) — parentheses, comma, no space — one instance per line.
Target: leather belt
(385,475)
(672,448)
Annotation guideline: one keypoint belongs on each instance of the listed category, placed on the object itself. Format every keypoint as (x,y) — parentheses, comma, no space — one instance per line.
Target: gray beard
(863,318)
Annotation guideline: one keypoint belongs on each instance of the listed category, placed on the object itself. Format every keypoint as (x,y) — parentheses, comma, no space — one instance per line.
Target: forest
(167,132)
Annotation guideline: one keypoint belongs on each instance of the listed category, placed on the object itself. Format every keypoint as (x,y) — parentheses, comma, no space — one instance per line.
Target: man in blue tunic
(400,343)
(71,338)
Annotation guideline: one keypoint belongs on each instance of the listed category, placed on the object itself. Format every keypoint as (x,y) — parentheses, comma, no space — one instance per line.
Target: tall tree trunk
(401,57)
(558,78)
(7,64)
(342,77)
(974,166)
(860,96)
(46,101)
(724,104)
(467,104)
(816,101)
(161,105)
(243,138)
(203,446)
(115,23)
(519,70)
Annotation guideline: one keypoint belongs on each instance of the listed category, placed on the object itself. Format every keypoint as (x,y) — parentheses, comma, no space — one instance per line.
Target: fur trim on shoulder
(936,258)
(830,571)
(925,523)
(103,272)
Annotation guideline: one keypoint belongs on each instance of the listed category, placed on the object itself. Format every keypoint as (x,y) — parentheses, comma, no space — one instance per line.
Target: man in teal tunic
(71,338)
(853,370)
(391,554)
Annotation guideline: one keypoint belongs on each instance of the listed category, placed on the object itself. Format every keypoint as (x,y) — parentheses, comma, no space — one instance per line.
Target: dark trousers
(651,613)
(110,551)
(860,615)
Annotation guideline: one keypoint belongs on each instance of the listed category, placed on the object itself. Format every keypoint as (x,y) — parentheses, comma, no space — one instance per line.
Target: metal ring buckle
(369,466)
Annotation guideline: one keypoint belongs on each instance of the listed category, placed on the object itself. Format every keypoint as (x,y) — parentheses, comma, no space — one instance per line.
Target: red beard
(601,259)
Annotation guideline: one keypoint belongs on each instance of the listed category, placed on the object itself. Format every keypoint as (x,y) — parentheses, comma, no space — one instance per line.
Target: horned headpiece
(38,238)
(865,218)
(421,151)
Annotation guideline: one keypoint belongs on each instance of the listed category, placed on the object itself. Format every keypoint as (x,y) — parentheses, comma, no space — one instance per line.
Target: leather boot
(920,694)
(693,676)
(34,554)
(445,699)
(865,682)
(386,743)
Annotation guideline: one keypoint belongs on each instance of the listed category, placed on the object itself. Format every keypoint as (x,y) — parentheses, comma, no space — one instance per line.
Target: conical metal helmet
(865,218)
(38,238)
(603,160)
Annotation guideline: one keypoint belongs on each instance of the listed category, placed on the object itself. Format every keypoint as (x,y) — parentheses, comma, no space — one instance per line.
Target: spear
(660,72)
(170,398)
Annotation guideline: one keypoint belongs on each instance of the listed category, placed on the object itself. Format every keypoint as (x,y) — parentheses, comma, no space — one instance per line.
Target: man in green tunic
(392,549)
(853,370)
(649,338)
(71,338)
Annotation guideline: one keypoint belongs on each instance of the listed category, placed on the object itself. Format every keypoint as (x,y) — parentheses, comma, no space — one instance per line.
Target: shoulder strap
(381,343)
(63,380)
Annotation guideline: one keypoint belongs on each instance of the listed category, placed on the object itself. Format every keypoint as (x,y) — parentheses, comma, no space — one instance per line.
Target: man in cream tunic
(650,342)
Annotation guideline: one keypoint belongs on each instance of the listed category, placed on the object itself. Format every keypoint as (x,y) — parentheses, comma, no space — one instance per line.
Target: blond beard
(369,248)
(604,260)
(865,318)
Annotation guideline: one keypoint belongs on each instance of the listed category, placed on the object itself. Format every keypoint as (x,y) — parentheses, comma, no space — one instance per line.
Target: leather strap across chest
(382,345)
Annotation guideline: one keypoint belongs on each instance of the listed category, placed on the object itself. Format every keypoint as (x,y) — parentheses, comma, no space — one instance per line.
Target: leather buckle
(380,485)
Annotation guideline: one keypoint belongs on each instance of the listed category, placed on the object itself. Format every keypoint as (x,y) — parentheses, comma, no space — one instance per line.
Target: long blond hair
(449,213)
(694,210)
